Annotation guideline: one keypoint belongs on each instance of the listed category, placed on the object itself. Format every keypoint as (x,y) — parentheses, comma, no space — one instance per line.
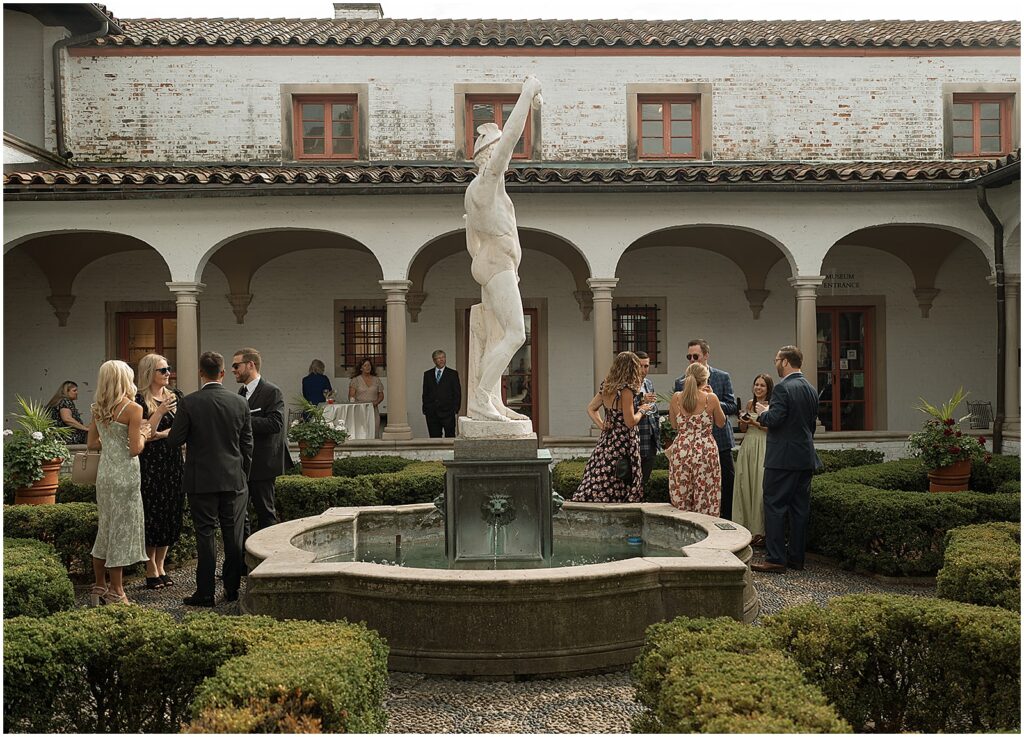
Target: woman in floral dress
(694,471)
(619,436)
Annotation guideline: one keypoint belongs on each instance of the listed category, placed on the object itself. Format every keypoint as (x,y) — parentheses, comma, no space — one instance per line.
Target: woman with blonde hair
(161,466)
(65,413)
(118,428)
(694,470)
(613,471)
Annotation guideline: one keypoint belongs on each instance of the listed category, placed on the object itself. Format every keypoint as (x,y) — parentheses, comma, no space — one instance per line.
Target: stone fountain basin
(539,621)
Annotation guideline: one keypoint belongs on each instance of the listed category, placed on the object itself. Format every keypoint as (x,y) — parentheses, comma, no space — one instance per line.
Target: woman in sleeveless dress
(366,386)
(748,495)
(118,429)
(619,436)
(162,467)
(694,470)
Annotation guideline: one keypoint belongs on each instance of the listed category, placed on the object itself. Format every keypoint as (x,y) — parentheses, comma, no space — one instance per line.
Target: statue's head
(489,134)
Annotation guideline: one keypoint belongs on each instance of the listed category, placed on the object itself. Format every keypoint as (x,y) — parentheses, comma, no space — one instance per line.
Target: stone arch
(544,241)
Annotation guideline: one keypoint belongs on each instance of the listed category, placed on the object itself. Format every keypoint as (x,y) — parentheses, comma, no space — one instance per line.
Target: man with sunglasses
(270,456)
(698,351)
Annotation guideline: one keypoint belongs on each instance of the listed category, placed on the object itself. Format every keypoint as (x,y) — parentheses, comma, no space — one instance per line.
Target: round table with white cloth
(360,422)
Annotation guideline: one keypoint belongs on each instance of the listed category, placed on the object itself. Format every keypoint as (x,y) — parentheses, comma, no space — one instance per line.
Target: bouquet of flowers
(36,441)
(941,442)
(313,430)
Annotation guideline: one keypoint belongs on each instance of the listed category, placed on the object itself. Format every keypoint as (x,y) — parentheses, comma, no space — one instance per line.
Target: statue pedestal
(484,440)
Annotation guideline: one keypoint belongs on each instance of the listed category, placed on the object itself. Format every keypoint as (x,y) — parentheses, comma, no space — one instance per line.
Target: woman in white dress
(366,386)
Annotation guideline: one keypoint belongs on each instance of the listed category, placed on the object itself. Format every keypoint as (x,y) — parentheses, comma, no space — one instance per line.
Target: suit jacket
(270,456)
(214,421)
(441,399)
(790,420)
(722,386)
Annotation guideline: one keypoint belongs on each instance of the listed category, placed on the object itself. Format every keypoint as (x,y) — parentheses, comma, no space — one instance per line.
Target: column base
(397,432)
(1011,424)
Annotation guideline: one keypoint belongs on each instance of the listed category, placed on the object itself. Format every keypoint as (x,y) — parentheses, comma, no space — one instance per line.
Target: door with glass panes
(844,360)
(139,333)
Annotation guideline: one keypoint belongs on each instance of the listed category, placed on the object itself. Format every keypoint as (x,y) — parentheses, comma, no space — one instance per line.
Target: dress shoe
(231,595)
(794,566)
(757,541)
(197,600)
(768,567)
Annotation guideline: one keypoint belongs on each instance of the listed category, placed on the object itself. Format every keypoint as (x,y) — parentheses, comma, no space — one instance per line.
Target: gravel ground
(585,704)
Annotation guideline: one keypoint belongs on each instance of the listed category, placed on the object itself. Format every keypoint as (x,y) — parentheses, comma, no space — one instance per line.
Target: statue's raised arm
(506,138)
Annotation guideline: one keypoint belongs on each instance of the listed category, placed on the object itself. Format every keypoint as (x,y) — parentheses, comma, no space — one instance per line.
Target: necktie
(437,375)
(244,391)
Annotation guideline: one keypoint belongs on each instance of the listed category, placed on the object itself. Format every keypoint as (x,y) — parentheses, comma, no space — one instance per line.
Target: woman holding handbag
(613,471)
(162,467)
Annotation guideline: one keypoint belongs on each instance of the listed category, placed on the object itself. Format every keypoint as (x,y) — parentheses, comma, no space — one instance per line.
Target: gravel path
(585,704)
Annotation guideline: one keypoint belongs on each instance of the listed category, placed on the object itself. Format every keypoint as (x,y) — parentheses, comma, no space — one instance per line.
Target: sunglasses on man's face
(235,366)
(693,356)
(164,370)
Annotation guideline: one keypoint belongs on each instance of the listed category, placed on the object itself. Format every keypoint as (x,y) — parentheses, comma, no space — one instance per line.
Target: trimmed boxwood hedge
(982,565)
(70,528)
(721,676)
(128,669)
(908,663)
(35,582)
(366,465)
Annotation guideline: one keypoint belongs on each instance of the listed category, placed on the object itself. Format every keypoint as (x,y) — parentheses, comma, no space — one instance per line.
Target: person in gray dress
(117,426)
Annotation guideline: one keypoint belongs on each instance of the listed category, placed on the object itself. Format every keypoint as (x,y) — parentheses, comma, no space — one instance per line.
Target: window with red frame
(326,127)
(636,329)
(482,109)
(981,125)
(669,127)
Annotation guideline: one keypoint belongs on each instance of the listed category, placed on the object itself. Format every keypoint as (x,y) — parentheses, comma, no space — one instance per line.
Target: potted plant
(317,439)
(34,453)
(946,451)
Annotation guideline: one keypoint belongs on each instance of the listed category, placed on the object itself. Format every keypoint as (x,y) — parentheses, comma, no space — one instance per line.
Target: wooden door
(844,362)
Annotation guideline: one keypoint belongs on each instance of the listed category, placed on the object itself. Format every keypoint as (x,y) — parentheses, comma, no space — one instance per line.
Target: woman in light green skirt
(748,500)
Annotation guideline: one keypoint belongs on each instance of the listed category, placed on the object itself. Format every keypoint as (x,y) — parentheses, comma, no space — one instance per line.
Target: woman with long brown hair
(613,471)
(65,413)
(366,386)
(748,493)
(694,470)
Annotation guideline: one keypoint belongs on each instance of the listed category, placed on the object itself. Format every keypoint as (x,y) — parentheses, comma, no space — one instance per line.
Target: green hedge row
(880,518)
(366,465)
(908,663)
(128,669)
(721,676)
(70,528)
(35,582)
(982,565)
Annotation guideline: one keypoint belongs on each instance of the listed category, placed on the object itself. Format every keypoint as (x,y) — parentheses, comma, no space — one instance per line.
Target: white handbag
(84,466)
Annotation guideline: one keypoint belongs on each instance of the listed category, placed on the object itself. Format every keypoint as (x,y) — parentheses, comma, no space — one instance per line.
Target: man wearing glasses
(698,350)
(270,457)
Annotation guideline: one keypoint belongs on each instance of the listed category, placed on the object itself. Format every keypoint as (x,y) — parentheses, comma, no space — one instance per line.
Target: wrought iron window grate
(636,329)
(364,335)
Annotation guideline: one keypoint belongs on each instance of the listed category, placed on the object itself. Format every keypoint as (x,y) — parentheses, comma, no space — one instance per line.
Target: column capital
(395,286)
(602,286)
(806,283)
(186,288)
(1010,281)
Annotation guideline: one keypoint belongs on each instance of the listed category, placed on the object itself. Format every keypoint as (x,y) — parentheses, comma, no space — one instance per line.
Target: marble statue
(496,326)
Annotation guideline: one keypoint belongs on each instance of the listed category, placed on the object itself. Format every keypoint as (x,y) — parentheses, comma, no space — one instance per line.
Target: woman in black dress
(64,412)
(162,467)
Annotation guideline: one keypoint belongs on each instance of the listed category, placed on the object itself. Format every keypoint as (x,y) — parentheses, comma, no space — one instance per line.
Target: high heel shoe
(96,594)
(111,598)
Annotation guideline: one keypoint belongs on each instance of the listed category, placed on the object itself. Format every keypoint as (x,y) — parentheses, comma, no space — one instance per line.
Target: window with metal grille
(363,334)
(636,329)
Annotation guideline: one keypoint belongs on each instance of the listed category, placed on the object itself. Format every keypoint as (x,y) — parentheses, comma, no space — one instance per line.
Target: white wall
(23,77)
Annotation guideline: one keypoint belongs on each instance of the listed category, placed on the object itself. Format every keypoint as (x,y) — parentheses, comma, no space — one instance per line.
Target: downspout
(997,243)
(58,97)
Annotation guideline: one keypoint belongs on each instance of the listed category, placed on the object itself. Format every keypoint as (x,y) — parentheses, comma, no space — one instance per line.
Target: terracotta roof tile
(127,177)
(533,33)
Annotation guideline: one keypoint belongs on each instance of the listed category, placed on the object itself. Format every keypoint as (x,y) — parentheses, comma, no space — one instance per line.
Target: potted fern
(34,453)
(946,451)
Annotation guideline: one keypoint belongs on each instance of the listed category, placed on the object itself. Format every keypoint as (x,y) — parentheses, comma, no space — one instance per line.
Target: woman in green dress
(748,500)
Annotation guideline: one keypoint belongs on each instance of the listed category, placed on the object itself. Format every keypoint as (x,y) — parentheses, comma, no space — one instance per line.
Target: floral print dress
(162,498)
(121,532)
(599,483)
(694,470)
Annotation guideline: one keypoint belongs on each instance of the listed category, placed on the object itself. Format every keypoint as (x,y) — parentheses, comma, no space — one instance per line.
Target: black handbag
(622,469)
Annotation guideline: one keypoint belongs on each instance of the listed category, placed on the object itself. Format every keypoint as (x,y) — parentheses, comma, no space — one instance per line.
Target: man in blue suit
(789,463)
(698,350)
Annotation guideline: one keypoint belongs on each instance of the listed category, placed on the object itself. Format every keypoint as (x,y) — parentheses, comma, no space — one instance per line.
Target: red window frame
(666,125)
(326,101)
(496,102)
(1005,124)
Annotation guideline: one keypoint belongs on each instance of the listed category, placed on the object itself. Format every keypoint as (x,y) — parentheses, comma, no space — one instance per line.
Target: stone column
(807,322)
(186,295)
(398,412)
(1011,422)
(602,319)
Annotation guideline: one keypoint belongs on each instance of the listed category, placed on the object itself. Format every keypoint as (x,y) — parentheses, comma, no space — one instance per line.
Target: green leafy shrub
(70,528)
(417,483)
(35,582)
(719,675)
(906,474)
(990,477)
(365,465)
(567,475)
(909,664)
(69,491)
(834,460)
(285,712)
(982,565)
(1010,486)
(657,488)
(300,496)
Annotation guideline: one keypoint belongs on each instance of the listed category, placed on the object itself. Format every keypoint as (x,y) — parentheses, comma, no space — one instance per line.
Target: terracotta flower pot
(954,477)
(319,466)
(43,491)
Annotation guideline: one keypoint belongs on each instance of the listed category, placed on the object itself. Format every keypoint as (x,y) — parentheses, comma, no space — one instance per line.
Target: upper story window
(982,124)
(326,127)
(669,126)
(482,109)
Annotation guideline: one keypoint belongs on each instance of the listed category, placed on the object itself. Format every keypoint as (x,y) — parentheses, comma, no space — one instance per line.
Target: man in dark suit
(442,397)
(698,351)
(789,463)
(214,423)
(270,457)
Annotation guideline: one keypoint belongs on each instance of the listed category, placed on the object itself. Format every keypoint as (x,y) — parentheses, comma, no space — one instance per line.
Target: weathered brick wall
(227,108)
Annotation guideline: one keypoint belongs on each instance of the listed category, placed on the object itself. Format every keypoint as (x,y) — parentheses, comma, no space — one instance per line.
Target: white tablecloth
(360,423)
